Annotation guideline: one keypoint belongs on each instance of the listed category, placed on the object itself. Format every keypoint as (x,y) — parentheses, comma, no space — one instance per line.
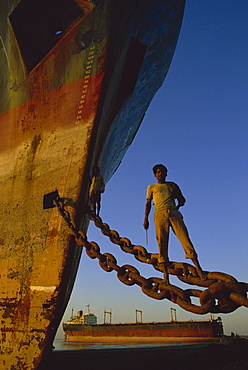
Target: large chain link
(223,294)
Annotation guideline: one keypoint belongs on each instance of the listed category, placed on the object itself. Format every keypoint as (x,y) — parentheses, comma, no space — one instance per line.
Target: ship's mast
(173,312)
(140,312)
(110,316)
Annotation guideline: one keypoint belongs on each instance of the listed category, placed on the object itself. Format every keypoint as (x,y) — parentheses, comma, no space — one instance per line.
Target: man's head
(160,172)
(161,166)
(96,170)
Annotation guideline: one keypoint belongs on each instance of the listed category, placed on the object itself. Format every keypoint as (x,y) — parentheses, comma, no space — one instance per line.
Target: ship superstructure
(87,318)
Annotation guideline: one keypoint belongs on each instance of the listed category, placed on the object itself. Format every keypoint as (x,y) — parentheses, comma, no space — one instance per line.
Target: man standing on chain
(167,215)
(97,187)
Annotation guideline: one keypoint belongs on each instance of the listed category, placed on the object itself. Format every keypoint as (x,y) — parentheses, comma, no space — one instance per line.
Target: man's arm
(147,211)
(102,185)
(179,196)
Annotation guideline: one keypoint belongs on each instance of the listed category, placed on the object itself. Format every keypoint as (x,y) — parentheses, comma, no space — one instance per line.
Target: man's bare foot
(165,271)
(201,274)
(166,281)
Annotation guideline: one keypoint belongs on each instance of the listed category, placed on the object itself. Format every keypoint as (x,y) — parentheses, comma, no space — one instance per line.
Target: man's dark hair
(154,169)
(97,168)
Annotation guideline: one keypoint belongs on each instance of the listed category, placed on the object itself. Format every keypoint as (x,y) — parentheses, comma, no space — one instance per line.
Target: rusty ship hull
(76,79)
(162,332)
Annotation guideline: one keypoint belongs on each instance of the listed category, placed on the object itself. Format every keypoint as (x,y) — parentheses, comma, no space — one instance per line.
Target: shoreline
(224,356)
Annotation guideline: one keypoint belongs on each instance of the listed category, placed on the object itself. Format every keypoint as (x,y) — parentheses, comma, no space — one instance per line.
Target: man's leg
(162,236)
(181,231)
(98,208)
(94,207)
(98,202)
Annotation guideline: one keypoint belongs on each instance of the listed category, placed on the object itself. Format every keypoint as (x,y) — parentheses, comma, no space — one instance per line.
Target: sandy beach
(222,356)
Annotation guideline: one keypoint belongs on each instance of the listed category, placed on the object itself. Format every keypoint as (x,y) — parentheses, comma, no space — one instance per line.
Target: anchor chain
(223,294)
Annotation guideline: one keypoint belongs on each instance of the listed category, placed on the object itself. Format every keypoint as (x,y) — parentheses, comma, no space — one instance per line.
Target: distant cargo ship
(84,328)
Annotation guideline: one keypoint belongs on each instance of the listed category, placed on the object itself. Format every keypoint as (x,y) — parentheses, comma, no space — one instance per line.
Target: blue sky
(197,126)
